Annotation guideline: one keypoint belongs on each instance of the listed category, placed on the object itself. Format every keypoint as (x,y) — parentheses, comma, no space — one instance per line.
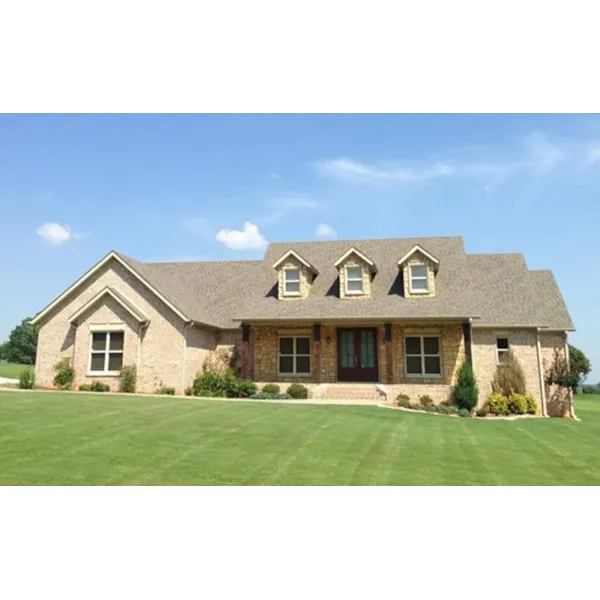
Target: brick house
(366,317)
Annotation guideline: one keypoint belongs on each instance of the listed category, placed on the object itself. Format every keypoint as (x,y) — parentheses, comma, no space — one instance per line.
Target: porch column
(317,352)
(466,327)
(389,361)
(245,351)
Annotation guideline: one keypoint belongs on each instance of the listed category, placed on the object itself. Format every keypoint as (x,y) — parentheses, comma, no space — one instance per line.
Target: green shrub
(298,391)
(447,410)
(531,404)
(509,377)
(209,381)
(403,400)
(65,374)
(246,387)
(210,394)
(498,404)
(430,408)
(27,379)
(425,400)
(127,379)
(517,405)
(415,406)
(282,396)
(446,403)
(465,392)
(271,388)
(188,390)
(98,386)
(165,390)
(481,412)
(85,387)
(261,396)
(464,413)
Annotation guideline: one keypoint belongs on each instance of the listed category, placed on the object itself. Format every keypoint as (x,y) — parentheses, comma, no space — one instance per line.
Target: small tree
(579,364)
(3,351)
(22,344)
(465,392)
(509,377)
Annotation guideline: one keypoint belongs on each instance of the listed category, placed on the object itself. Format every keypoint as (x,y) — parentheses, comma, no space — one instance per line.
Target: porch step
(350,391)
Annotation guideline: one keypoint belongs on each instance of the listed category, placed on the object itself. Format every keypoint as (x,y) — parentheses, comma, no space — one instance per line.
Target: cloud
(324,231)
(274,176)
(543,153)
(57,234)
(248,239)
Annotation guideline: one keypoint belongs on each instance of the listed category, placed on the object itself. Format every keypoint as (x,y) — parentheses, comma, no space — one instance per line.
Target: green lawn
(90,439)
(12,370)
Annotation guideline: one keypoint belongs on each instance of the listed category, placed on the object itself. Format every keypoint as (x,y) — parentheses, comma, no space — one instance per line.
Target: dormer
(294,276)
(356,273)
(419,268)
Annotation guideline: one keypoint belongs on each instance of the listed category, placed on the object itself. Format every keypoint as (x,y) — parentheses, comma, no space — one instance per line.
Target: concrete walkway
(7,380)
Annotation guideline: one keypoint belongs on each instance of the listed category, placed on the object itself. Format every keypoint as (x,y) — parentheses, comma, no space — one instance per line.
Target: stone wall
(306,278)
(419,258)
(354,261)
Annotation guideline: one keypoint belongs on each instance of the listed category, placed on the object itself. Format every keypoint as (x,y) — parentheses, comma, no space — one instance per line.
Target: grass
(12,370)
(87,439)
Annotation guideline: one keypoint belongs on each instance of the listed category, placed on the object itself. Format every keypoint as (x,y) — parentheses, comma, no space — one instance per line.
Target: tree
(22,343)
(509,377)
(466,393)
(3,350)
(579,364)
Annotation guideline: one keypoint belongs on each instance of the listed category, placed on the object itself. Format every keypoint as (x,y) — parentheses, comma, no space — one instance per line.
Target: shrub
(98,386)
(509,376)
(209,394)
(481,412)
(27,379)
(282,396)
(446,403)
(127,379)
(188,390)
(447,410)
(415,406)
(261,396)
(425,400)
(246,387)
(517,405)
(464,413)
(403,397)
(271,388)
(465,392)
(85,387)
(531,404)
(166,390)
(430,408)
(298,391)
(403,400)
(218,384)
(498,404)
(65,374)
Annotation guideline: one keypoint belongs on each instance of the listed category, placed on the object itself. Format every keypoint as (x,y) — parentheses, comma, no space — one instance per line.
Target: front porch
(340,358)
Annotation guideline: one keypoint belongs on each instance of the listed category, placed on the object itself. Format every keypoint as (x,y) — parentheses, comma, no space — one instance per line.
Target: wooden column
(389,360)
(466,327)
(317,352)
(245,351)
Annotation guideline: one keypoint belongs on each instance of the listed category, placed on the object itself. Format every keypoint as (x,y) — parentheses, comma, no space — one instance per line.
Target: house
(396,315)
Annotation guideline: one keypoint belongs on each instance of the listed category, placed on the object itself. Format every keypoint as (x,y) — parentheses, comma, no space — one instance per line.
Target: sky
(220,187)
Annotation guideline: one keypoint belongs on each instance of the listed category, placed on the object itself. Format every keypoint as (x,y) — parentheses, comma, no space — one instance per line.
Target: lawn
(12,370)
(77,439)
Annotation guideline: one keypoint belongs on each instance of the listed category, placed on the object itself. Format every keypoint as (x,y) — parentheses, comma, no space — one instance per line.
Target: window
(294,356)
(354,280)
(423,356)
(291,282)
(106,353)
(418,279)
(502,349)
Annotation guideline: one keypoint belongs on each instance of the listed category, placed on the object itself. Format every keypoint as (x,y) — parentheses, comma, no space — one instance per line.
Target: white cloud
(544,154)
(248,239)
(57,234)
(325,231)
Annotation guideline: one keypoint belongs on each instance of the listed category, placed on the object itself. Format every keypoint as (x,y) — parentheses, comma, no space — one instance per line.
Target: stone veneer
(418,258)
(306,279)
(355,261)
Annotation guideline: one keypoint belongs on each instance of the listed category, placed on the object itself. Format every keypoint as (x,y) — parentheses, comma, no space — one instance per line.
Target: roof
(129,306)
(289,253)
(492,289)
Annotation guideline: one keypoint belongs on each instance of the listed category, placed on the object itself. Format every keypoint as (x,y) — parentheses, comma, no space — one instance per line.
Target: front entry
(357,354)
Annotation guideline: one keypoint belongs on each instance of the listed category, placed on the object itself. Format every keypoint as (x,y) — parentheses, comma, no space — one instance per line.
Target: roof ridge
(374,239)
(200,262)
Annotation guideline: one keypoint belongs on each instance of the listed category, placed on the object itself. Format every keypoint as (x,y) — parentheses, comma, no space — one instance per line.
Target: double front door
(357,354)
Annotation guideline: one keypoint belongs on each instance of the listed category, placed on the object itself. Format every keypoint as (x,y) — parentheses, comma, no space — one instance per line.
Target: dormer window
(291,282)
(354,280)
(419,279)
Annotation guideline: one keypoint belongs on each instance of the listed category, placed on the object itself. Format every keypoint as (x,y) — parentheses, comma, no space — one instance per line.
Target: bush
(27,379)
(210,394)
(271,388)
(127,379)
(261,396)
(166,391)
(65,374)
(464,413)
(465,392)
(218,384)
(517,405)
(425,400)
(85,387)
(498,404)
(445,409)
(481,412)
(415,406)
(430,408)
(298,391)
(282,396)
(531,404)
(509,377)
(188,390)
(403,400)
(246,387)
(98,386)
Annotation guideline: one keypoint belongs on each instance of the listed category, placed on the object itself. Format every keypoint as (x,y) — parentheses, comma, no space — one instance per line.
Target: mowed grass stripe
(97,440)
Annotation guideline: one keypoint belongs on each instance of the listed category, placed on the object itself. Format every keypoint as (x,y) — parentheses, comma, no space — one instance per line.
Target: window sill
(354,293)
(103,373)
(420,292)
(291,294)
(294,374)
(428,376)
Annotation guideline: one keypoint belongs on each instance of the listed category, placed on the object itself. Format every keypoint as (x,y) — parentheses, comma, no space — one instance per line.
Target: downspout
(138,364)
(541,374)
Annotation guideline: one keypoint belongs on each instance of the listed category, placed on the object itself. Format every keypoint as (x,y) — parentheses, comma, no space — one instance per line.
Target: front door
(357,354)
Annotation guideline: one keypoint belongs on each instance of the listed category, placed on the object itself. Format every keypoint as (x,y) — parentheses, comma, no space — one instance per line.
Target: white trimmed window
(419,282)
(422,356)
(502,348)
(106,353)
(291,282)
(294,356)
(354,280)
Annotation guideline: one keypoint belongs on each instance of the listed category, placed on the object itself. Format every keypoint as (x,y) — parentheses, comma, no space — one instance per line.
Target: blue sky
(217,187)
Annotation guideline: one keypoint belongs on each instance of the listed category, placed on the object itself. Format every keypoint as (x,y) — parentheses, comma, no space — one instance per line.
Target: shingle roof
(494,289)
